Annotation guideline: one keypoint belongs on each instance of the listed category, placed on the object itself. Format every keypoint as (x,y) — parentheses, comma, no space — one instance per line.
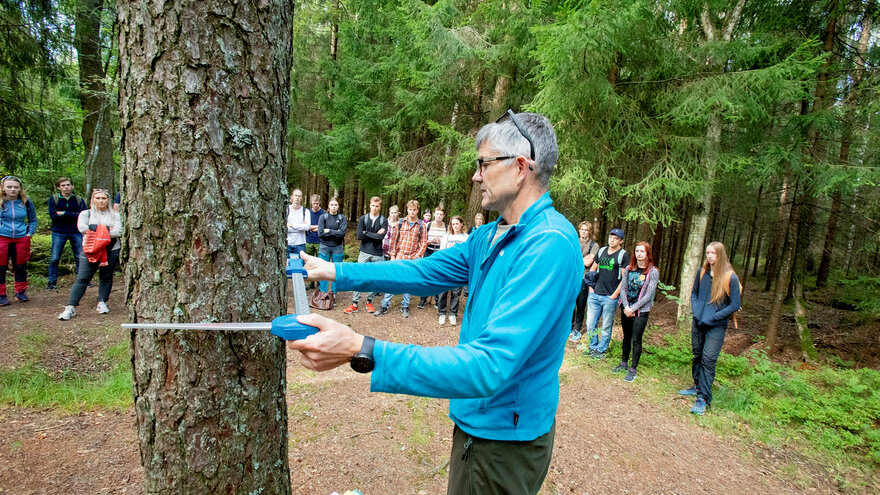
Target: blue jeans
(706,342)
(605,307)
(58,242)
(386,301)
(295,249)
(334,254)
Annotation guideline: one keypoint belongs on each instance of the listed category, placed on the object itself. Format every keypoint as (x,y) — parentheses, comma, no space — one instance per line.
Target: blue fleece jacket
(503,376)
(18,219)
(707,313)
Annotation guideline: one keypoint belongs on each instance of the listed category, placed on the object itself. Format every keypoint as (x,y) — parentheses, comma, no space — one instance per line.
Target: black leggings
(633,330)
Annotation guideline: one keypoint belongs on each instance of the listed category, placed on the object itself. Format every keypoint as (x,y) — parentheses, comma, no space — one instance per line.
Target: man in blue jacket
(523,272)
(64,210)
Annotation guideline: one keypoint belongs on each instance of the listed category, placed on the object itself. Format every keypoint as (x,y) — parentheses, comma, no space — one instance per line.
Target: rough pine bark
(203,101)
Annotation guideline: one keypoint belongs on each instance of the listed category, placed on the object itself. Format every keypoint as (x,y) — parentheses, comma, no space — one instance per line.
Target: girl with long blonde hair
(714,298)
(100,214)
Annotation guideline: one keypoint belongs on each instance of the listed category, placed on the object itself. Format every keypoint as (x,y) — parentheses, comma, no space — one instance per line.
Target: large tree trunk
(203,100)
(94,99)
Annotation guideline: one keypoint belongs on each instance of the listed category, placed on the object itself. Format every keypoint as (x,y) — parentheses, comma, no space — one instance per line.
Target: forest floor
(611,436)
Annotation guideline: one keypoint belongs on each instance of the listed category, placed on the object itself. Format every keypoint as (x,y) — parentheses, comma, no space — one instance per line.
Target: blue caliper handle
(288,328)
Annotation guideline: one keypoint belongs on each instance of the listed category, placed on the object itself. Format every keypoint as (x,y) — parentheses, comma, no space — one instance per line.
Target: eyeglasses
(482,163)
(512,117)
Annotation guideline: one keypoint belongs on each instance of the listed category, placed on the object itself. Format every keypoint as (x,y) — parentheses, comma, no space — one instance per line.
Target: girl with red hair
(638,285)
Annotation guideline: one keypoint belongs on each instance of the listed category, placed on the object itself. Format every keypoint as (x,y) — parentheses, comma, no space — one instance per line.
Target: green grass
(830,415)
(32,385)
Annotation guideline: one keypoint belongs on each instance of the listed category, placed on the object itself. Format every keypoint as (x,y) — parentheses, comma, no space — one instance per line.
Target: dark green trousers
(486,467)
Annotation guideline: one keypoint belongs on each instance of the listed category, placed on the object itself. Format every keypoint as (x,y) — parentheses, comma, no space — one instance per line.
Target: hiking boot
(630,375)
(22,297)
(688,391)
(452,320)
(102,308)
(381,311)
(4,301)
(68,313)
(405,312)
(370,307)
(51,286)
(699,406)
(598,355)
(441,319)
(619,368)
(574,336)
(351,309)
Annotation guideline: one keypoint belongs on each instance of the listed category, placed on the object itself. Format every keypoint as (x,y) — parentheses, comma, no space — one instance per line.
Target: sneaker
(441,319)
(630,375)
(574,336)
(4,301)
(688,391)
(598,355)
(452,320)
(381,311)
(68,313)
(102,308)
(22,297)
(421,305)
(370,307)
(619,368)
(51,286)
(699,406)
(405,312)
(351,309)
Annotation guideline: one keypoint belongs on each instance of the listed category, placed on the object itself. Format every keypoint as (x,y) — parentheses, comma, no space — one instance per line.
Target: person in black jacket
(331,230)
(371,230)
(64,210)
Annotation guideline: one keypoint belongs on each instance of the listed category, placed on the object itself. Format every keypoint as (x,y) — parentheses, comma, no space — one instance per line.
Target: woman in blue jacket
(18,222)
(715,296)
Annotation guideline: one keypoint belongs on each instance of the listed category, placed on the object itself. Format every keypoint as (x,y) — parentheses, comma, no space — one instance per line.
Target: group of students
(613,279)
(381,239)
(93,233)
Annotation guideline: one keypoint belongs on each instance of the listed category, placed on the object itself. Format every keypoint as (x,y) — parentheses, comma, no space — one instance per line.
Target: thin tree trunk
(204,129)
(693,253)
(786,265)
(752,230)
(94,100)
(805,337)
(771,265)
(757,252)
(830,236)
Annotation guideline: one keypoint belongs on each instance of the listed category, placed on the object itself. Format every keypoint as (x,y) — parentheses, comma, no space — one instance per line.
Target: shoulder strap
(619,264)
(601,251)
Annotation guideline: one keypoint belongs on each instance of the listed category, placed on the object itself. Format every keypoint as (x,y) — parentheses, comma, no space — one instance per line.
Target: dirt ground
(610,437)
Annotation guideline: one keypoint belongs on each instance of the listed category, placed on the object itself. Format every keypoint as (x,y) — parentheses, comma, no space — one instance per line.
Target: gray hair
(506,139)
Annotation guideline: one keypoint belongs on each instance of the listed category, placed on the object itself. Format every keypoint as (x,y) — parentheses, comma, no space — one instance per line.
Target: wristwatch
(363,362)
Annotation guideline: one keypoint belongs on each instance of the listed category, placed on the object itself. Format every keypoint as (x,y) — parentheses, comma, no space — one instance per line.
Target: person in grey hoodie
(638,285)
(714,298)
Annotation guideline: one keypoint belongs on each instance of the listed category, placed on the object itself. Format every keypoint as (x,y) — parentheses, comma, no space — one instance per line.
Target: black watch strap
(363,361)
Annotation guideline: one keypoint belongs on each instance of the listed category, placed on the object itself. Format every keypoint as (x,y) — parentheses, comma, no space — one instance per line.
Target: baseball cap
(617,232)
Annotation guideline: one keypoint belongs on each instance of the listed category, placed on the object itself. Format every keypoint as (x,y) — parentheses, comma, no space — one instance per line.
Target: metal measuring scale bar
(285,326)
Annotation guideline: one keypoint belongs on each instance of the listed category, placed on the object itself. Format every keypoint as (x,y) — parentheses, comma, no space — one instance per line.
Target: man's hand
(317,268)
(380,231)
(313,228)
(334,344)
(326,231)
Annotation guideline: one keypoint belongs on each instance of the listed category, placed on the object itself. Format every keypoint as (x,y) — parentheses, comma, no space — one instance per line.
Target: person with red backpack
(102,227)
(409,243)
(714,298)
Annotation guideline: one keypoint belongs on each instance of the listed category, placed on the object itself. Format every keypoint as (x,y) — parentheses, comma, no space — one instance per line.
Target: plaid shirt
(409,242)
